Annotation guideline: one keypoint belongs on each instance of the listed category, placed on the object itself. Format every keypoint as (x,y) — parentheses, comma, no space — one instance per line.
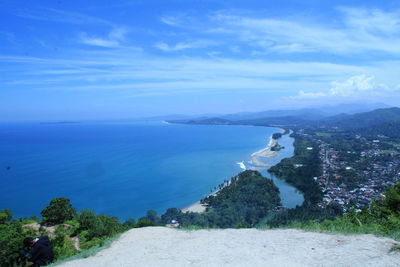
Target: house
(174,223)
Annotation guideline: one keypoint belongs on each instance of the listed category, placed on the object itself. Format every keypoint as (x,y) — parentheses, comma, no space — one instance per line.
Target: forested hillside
(389,129)
(362,120)
(247,199)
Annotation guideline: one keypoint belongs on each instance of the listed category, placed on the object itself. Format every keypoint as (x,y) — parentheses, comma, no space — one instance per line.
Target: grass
(390,151)
(192,228)
(395,248)
(88,252)
(263,221)
(342,228)
(323,134)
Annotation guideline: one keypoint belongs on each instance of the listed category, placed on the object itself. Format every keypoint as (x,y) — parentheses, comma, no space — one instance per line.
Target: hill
(306,113)
(315,113)
(362,120)
(275,121)
(303,118)
(160,246)
(389,129)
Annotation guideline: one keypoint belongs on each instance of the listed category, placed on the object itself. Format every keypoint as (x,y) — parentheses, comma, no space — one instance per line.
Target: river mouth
(290,196)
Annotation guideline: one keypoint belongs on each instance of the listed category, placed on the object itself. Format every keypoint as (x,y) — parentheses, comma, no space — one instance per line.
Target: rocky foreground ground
(162,247)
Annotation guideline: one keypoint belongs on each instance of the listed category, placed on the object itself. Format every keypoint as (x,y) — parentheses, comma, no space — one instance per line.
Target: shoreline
(266,152)
(200,208)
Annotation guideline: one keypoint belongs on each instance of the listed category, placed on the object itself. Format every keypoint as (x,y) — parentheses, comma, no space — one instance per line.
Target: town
(354,169)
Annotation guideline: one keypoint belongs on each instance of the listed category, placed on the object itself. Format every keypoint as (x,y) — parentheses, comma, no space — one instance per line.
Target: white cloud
(235,49)
(184,45)
(170,20)
(112,40)
(57,15)
(98,41)
(133,70)
(118,34)
(356,31)
(372,20)
(303,94)
(356,86)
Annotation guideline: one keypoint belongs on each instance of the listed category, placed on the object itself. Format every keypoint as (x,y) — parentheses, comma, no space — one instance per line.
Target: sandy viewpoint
(162,247)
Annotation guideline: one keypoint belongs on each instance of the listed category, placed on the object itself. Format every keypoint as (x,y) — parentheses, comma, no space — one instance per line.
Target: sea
(123,169)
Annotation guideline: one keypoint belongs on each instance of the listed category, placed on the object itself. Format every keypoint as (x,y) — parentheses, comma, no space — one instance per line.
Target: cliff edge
(161,246)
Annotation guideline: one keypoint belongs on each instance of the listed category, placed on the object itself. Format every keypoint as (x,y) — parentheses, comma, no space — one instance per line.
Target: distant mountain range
(389,129)
(384,121)
(316,113)
(362,120)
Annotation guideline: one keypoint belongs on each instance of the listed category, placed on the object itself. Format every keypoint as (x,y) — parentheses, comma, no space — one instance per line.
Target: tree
(151,216)
(11,236)
(58,211)
(392,201)
(5,215)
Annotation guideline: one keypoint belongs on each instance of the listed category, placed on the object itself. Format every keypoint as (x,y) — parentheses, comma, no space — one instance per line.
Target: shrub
(58,211)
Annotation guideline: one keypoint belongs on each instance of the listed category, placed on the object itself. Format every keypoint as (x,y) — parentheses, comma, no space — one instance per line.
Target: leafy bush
(12,235)
(58,211)
(382,218)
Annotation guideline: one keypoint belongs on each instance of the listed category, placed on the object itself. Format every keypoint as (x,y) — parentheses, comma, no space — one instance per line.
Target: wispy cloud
(57,15)
(184,45)
(356,86)
(358,31)
(232,56)
(171,20)
(113,39)
(134,72)
(373,21)
(98,41)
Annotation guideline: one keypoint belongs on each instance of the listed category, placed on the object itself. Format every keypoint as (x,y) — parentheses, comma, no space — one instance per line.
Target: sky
(71,60)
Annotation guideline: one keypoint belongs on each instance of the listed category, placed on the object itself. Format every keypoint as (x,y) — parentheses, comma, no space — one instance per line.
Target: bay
(123,169)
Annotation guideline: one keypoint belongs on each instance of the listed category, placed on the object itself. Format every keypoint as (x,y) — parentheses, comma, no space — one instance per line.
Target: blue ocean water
(119,169)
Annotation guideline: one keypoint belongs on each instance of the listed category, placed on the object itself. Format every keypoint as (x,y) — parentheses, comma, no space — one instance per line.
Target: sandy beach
(198,207)
(195,207)
(161,246)
(264,153)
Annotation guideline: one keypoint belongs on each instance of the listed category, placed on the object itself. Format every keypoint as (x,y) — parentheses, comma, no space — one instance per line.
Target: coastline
(195,207)
(198,207)
(266,152)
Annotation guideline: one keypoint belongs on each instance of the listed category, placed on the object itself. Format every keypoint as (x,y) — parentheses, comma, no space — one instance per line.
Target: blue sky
(123,59)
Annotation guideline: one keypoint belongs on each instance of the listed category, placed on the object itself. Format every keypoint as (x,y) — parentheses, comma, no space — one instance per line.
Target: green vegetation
(249,199)
(277,147)
(381,218)
(390,129)
(362,120)
(300,170)
(322,134)
(390,151)
(395,248)
(11,236)
(59,211)
(276,136)
(243,203)
(64,226)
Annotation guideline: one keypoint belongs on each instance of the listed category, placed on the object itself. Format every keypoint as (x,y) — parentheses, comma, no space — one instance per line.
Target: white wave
(242,165)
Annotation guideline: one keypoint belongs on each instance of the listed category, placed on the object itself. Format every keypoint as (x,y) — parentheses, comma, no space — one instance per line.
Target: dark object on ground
(41,252)
(8,168)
